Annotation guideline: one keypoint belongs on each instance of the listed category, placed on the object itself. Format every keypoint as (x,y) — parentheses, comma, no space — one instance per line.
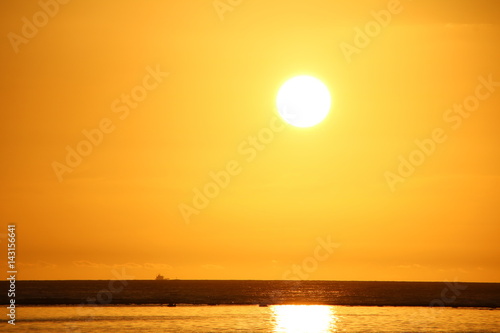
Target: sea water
(273,318)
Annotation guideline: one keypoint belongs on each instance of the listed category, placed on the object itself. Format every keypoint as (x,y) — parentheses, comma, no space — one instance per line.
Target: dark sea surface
(206,292)
(174,306)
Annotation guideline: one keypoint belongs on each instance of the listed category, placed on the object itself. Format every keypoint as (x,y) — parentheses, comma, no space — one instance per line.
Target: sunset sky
(205,80)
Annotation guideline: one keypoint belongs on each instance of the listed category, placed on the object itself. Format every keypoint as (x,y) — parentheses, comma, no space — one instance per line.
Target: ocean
(253,306)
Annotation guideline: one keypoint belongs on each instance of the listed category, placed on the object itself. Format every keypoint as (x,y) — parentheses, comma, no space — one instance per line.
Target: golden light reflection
(304,318)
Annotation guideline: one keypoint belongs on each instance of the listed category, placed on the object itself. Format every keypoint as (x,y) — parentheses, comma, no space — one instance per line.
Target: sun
(303,101)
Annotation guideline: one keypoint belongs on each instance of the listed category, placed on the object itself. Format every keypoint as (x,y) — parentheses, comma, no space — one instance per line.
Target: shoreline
(183,304)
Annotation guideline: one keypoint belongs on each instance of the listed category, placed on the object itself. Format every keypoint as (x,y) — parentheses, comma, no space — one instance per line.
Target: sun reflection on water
(304,318)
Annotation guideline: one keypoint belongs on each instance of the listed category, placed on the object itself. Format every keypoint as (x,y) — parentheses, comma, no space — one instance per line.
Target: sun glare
(303,318)
(303,101)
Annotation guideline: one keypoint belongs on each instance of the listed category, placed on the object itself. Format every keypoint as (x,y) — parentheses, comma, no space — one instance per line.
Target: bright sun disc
(303,101)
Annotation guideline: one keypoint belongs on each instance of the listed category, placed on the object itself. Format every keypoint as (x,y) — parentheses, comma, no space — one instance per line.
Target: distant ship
(160,277)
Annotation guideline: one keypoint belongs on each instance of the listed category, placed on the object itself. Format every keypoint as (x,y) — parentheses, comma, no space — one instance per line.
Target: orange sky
(205,82)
